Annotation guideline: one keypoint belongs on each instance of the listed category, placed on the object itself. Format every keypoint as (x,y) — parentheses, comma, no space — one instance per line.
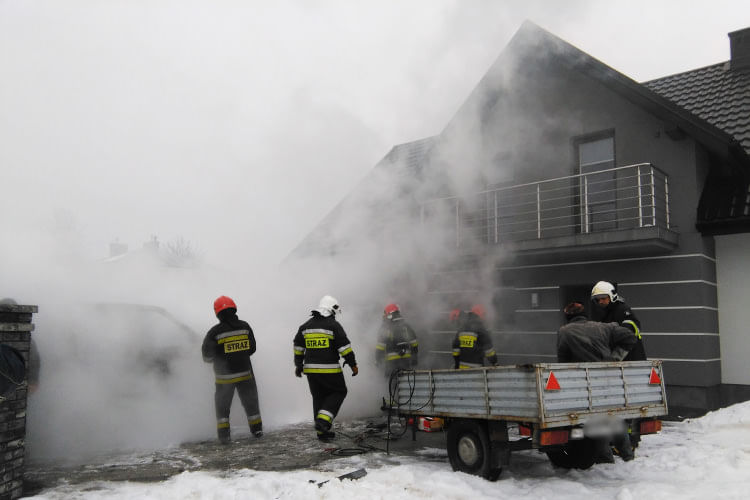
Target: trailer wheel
(578,454)
(469,449)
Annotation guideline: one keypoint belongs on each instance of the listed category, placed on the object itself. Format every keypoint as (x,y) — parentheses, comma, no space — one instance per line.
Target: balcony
(617,211)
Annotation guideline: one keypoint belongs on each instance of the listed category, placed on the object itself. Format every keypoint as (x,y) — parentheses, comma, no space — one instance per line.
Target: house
(557,172)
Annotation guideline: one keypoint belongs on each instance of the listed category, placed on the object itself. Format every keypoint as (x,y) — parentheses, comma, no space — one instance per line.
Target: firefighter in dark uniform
(229,345)
(472,344)
(397,346)
(318,344)
(581,340)
(609,307)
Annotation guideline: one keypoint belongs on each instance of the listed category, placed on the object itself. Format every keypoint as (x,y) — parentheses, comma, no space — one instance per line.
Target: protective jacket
(619,312)
(472,344)
(582,340)
(228,346)
(397,344)
(319,343)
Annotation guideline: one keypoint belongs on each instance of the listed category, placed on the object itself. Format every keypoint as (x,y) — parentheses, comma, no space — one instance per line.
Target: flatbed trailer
(559,408)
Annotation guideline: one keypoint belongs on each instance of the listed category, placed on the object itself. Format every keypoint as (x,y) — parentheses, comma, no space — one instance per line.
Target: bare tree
(181,253)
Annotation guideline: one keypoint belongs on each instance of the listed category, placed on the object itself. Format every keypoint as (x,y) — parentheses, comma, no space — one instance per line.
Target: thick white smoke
(236,126)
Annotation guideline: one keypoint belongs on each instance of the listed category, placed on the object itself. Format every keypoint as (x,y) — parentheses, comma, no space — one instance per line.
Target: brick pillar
(15,330)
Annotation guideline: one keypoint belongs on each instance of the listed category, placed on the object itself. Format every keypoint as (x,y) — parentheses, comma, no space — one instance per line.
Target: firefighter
(317,346)
(610,307)
(581,340)
(472,344)
(229,345)
(397,346)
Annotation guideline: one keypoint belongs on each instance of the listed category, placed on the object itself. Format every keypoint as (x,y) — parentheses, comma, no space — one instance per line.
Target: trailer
(558,408)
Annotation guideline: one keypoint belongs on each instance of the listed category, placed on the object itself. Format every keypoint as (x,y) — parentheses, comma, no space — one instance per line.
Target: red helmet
(454,314)
(390,309)
(478,309)
(222,303)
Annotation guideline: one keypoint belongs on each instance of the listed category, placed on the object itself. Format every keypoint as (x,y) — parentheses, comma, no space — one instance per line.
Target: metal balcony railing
(628,197)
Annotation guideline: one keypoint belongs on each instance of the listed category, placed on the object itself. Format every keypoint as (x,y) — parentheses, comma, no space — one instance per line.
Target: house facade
(558,172)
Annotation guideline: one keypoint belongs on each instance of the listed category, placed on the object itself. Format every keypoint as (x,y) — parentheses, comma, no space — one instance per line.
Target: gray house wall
(532,123)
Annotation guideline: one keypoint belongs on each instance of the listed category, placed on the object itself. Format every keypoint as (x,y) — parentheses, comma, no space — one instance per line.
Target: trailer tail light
(430,424)
(650,426)
(547,438)
(524,430)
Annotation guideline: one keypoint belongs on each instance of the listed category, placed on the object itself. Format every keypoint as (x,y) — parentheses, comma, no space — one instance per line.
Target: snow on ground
(701,458)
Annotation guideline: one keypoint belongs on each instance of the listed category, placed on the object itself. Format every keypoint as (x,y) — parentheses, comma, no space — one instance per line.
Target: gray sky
(237,125)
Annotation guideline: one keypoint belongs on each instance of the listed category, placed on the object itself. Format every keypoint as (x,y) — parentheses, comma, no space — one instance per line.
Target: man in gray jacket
(582,340)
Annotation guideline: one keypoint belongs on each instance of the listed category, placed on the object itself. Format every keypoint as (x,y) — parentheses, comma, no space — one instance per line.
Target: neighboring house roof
(715,93)
(366,200)
(409,155)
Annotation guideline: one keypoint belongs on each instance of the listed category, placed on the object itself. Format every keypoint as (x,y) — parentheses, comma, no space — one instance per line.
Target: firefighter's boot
(323,429)
(224,435)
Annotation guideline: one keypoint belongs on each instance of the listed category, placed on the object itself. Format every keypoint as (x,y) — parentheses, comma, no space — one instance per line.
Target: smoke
(233,129)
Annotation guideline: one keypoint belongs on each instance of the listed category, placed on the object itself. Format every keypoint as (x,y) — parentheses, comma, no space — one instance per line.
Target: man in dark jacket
(397,346)
(318,344)
(581,340)
(609,307)
(229,345)
(472,344)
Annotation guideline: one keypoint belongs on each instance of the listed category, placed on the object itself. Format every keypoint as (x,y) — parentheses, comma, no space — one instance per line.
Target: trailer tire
(578,454)
(468,446)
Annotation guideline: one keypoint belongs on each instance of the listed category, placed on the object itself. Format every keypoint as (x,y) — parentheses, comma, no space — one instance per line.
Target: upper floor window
(597,188)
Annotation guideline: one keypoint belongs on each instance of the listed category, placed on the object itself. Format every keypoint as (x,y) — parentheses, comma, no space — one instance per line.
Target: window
(596,161)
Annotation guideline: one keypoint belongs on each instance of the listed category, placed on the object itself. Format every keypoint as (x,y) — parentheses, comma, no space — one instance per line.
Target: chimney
(739,48)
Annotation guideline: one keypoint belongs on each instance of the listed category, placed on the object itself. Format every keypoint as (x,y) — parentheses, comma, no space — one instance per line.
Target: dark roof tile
(715,93)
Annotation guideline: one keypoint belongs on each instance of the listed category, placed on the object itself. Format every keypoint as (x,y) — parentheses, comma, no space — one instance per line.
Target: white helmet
(604,288)
(328,305)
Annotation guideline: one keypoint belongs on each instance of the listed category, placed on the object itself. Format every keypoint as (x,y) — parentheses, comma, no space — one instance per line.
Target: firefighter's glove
(355,370)
(298,371)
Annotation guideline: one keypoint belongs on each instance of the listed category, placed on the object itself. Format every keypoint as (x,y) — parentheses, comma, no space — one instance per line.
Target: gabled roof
(329,237)
(719,95)
(715,93)
(532,42)
(710,104)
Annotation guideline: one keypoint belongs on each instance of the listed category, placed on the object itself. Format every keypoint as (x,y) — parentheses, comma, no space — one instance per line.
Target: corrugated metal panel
(515,392)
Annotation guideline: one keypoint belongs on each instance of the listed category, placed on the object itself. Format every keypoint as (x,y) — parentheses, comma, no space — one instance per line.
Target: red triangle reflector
(552,383)
(654,379)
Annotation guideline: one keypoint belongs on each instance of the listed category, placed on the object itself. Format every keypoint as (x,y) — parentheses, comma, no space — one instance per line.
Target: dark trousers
(328,391)
(248,393)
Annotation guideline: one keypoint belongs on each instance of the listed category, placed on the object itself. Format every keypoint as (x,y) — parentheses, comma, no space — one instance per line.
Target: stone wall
(15,330)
